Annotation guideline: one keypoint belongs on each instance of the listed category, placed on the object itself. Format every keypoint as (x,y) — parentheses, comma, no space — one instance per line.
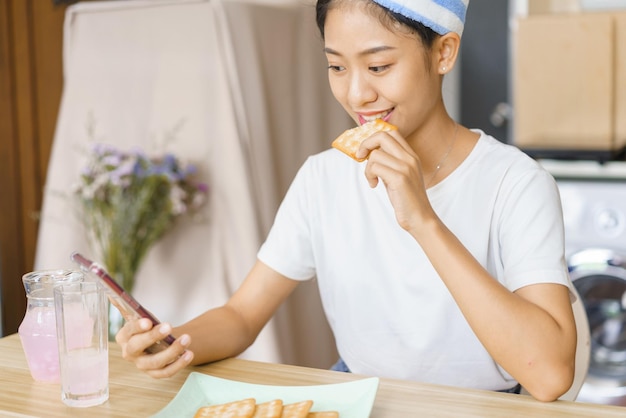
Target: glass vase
(116,319)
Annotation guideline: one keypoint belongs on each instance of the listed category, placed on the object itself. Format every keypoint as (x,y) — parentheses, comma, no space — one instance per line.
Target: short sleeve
(288,248)
(531,231)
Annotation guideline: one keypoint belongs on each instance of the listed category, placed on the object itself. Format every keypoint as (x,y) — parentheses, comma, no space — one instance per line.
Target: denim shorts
(341,366)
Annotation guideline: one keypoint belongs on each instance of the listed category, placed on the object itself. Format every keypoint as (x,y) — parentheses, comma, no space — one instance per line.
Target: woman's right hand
(393,161)
(136,336)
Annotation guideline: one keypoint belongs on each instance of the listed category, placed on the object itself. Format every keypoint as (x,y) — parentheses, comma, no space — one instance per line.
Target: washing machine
(593,197)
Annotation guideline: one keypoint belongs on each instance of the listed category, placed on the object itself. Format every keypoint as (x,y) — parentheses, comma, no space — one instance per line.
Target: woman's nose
(360,91)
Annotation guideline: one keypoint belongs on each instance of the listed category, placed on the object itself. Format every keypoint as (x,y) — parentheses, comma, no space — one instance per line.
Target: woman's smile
(365,117)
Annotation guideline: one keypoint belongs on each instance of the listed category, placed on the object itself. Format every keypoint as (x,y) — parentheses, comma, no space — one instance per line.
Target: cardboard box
(620,79)
(563,82)
(553,6)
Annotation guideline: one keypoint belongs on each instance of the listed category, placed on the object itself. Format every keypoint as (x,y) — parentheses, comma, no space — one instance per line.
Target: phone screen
(123,301)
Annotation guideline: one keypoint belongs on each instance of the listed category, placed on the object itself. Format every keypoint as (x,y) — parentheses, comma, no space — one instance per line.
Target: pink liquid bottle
(38,328)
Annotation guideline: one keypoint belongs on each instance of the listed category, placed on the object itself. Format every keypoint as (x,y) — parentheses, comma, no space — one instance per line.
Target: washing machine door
(599,276)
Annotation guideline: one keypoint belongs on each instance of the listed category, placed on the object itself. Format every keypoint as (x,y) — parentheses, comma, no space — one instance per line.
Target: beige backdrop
(238,88)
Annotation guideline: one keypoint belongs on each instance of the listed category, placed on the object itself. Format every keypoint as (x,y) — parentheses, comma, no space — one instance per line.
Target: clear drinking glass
(82,330)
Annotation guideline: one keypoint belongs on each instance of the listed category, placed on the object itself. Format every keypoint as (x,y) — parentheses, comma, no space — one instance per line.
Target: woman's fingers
(390,142)
(168,362)
(136,336)
(172,368)
(394,163)
(390,159)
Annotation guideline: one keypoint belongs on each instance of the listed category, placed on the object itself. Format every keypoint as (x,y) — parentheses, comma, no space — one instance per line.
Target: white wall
(452,91)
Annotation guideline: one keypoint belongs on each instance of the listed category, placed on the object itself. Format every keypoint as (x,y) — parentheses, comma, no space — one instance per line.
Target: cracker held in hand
(237,409)
(349,141)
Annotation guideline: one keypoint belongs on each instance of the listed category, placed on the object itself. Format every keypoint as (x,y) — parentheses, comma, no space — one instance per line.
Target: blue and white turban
(442,16)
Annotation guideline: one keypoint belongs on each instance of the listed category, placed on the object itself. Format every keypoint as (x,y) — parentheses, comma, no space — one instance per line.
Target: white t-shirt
(391,314)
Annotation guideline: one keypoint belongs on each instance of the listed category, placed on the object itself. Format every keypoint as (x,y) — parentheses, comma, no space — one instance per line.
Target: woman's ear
(446,52)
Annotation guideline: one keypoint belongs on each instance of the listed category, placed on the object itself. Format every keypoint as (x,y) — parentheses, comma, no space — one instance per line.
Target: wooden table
(134,394)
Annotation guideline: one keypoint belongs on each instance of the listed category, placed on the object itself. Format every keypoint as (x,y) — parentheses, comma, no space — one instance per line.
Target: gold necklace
(445,157)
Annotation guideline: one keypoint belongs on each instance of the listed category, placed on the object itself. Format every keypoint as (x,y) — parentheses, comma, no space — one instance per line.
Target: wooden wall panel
(25,138)
(11,246)
(31,34)
(48,77)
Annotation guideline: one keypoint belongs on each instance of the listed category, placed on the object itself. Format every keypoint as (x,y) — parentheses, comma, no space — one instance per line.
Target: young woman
(439,258)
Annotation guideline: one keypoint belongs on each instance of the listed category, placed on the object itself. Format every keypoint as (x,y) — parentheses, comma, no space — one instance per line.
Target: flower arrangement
(128,201)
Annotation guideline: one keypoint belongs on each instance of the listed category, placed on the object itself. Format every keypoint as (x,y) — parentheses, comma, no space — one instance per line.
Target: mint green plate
(351,399)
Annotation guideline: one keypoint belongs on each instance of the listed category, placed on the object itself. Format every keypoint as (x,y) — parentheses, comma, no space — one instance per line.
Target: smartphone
(123,301)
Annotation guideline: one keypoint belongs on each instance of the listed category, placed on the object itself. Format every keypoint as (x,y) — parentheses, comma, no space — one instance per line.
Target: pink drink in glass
(86,380)
(81,310)
(39,340)
(38,331)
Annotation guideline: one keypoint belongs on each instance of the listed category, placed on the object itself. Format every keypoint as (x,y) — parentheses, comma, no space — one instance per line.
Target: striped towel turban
(442,16)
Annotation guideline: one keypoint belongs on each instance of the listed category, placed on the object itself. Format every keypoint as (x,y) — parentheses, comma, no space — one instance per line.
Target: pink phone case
(123,301)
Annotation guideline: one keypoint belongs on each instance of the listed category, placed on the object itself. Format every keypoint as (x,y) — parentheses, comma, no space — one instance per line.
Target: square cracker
(237,409)
(350,140)
(297,409)
(269,409)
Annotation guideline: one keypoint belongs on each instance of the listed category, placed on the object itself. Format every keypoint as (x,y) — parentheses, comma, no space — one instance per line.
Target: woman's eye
(378,68)
(336,68)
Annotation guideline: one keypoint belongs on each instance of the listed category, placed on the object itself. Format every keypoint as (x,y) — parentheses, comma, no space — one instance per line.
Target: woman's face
(375,72)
